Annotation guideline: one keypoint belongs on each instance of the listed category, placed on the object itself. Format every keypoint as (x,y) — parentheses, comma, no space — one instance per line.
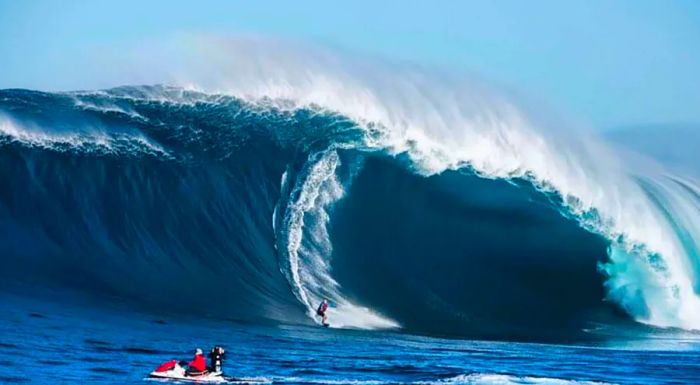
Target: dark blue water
(139,192)
(59,343)
(139,223)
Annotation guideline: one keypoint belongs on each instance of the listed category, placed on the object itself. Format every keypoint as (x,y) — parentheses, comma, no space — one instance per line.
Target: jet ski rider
(216,357)
(199,363)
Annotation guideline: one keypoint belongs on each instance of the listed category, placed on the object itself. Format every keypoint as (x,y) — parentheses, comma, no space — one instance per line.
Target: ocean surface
(51,342)
(456,243)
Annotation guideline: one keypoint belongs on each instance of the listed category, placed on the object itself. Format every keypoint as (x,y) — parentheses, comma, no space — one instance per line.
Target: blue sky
(610,63)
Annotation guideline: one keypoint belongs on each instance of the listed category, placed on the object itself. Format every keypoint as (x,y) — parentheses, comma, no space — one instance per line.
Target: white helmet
(198,352)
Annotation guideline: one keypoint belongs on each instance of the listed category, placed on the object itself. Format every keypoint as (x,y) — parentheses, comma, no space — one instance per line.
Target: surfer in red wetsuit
(321,311)
(199,363)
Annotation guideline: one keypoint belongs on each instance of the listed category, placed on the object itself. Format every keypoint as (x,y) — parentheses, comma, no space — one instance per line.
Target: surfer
(321,311)
(199,363)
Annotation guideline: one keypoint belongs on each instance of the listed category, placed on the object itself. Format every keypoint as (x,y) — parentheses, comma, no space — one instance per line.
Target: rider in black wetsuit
(216,357)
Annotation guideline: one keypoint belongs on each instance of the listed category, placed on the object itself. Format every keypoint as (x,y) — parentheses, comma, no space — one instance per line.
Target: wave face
(256,208)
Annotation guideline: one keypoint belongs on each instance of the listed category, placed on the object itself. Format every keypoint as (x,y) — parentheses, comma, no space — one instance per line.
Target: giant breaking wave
(408,203)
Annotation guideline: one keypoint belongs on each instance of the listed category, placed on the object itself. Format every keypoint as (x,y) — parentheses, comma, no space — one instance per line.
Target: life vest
(199,363)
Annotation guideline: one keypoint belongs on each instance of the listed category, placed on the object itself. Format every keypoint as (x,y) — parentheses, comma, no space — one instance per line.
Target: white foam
(89,140)
(308,260)
(467,379)
(505,379)
(106,107)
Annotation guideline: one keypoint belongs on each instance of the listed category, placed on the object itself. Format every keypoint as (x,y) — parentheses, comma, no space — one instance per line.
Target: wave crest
(436,125)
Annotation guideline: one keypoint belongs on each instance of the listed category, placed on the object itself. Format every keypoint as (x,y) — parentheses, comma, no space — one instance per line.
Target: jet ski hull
(179,373)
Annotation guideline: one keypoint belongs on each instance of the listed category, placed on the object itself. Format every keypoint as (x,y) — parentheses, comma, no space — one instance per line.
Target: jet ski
(178,371)
(172,370)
